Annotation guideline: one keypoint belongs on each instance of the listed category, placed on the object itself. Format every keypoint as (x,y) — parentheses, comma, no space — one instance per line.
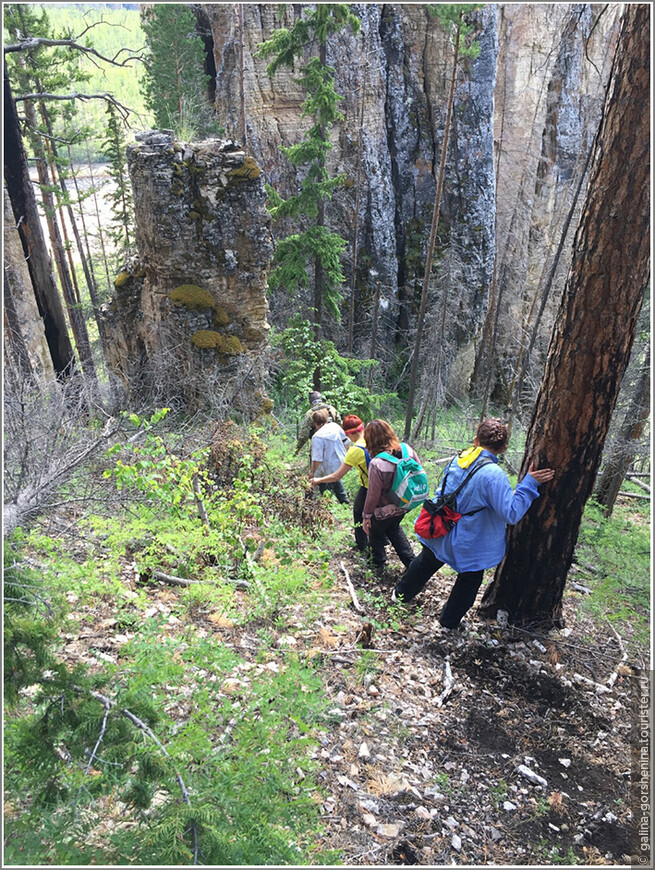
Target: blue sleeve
(510,504)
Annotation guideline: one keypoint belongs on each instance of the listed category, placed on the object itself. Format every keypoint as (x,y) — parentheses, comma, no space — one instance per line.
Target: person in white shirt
(329,447)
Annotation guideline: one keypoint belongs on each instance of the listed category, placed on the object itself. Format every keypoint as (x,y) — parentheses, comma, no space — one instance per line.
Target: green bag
(409,488)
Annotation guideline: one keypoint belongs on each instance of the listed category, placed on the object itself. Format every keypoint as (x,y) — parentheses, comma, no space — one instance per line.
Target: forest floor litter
(468,747)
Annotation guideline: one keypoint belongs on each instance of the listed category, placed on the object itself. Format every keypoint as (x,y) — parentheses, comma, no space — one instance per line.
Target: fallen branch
(634,479)
(448,681)
(578,587)
(613,677)
(174,581)
(600,689)
(635,494)
(358,607)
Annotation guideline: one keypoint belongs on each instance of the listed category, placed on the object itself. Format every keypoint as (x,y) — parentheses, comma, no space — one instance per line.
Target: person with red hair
(382,516)
(356,457)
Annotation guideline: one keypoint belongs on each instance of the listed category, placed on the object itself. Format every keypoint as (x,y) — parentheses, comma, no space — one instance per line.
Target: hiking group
(463,525)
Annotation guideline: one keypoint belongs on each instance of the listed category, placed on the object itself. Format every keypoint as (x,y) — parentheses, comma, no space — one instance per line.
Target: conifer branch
(124,110)
(32,42)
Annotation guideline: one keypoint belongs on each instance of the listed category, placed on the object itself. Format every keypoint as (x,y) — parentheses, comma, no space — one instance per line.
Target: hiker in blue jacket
(477,541)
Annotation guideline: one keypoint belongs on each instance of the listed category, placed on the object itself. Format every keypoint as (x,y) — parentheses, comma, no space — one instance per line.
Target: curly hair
(492,433)
(380,437)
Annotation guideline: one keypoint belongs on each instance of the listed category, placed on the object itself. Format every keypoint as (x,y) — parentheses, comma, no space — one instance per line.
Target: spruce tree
(175,84)
(120,197)
(315,244)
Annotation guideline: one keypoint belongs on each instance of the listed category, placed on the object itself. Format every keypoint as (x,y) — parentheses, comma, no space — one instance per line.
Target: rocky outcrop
(525,111)
(189,314)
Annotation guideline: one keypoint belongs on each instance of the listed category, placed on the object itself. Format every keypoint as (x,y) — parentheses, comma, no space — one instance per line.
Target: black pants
(388,530)
(337,488)
(361,538)
(461,597)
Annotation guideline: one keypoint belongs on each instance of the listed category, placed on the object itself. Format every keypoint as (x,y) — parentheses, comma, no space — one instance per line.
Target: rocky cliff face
(525,111)
(189,315)
(394,77)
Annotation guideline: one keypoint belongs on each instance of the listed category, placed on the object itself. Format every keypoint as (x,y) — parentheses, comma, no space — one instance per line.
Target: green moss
(121,279)
(221,317)
(246,172)
(228,345)
(195,216)
(191,296)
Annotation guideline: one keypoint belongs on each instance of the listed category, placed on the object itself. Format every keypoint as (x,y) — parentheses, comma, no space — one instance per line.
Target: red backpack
(439,514)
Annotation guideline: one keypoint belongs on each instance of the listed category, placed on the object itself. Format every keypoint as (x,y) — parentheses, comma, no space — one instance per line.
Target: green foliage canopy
(175,84)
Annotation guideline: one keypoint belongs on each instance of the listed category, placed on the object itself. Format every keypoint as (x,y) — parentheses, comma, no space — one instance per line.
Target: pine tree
(315,244)
(175,84)
(120,198)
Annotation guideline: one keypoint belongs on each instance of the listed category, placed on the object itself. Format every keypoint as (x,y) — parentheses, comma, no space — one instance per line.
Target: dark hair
(320,417)
(380,437)
(352,423)
(492,433)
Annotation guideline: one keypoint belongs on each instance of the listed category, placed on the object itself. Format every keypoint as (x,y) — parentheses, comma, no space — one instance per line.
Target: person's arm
(511,504)
(541,475)
(342,471)
(313,467)
(372,496)
(305,432)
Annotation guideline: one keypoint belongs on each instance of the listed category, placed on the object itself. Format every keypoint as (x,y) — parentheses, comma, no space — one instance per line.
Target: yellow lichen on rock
(228,345)
(121,279)
(191,296)
(221,317)
(247,171)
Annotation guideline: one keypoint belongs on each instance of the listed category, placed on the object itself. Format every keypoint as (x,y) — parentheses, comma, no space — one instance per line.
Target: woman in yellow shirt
(356,457)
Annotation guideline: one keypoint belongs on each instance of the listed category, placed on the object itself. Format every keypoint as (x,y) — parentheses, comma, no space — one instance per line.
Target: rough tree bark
(591,341)
(23,203)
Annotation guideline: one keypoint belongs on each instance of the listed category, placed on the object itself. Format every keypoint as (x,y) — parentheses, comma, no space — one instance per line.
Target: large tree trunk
(25,344)
(591,341)
(23,203)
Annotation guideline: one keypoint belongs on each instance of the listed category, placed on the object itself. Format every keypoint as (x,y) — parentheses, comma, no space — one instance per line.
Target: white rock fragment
(509,806)
(531,776)
(390,831)
(364,751)
(565,762)
(456,843)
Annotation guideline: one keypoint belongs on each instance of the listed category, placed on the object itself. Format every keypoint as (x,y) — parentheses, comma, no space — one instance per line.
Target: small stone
(373,689)
(509,806)
(565,762)
(369,820)
(456,843)
(530,775)
(423,813)
(364,751)
(495,834)
(390,831)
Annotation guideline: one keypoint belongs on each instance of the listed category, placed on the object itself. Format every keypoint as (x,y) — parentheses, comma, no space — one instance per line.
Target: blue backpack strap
(366,453)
